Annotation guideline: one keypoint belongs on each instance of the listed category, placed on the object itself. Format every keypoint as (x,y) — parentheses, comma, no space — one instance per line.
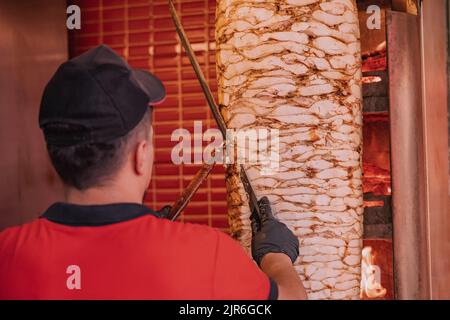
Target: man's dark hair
(92,165)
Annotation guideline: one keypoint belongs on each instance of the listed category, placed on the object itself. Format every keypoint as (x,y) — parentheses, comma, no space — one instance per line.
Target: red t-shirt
(124,251)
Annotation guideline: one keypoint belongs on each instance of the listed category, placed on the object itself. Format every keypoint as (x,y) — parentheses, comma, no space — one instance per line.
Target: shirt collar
(95,215)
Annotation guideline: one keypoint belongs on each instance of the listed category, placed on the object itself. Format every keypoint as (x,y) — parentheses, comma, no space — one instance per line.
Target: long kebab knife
(253,201)
(189,192)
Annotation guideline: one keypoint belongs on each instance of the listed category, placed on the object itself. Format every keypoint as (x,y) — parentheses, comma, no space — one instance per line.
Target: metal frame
(407,148)
(417,61)
(435,134)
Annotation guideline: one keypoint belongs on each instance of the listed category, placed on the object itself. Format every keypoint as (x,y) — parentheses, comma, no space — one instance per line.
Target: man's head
(96,116)
(96,165)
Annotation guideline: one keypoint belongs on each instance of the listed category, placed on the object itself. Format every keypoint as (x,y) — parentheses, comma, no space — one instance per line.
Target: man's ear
(141,157)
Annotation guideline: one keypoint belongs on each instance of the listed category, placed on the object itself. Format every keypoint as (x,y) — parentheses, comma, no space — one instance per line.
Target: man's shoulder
(188,235)
(12,234)
(185,229)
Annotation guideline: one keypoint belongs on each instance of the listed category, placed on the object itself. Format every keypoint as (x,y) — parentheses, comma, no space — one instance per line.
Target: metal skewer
(253,201)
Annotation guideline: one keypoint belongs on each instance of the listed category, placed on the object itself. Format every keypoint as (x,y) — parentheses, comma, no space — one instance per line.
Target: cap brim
(151,85)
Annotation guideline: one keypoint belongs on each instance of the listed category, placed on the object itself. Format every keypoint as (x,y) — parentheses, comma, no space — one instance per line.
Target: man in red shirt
(102,243)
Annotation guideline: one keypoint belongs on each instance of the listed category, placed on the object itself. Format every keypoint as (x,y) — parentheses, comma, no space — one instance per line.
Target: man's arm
(275,248)
(278,266)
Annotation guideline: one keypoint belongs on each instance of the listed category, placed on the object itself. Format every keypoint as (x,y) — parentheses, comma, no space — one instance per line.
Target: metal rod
(253,201)
(190,190)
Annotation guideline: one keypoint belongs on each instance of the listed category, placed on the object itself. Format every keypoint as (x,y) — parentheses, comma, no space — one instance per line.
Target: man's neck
(99,196)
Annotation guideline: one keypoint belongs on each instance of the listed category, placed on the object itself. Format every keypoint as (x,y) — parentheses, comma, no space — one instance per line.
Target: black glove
(271,235)
(163,213)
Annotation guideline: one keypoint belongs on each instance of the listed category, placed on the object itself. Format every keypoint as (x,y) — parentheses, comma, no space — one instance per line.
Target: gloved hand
(163,213)
(271,235)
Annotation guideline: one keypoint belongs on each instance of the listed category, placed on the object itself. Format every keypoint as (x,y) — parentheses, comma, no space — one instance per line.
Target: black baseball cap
(99,95)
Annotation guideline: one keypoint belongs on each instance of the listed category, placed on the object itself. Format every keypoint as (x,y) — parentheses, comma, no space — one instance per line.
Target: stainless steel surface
(434,85)
(407,149)
(32,44)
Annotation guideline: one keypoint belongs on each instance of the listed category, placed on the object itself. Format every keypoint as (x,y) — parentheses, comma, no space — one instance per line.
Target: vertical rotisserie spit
(294,65)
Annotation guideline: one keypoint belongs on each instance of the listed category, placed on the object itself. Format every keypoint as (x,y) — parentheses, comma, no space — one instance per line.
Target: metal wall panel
(407,160)
(32,44)
(434,85)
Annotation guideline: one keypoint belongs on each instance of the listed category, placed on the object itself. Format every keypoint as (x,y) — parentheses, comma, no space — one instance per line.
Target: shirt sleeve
(236,275)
